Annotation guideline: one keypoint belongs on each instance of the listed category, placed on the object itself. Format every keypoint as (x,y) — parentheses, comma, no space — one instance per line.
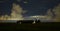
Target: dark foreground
(28,26)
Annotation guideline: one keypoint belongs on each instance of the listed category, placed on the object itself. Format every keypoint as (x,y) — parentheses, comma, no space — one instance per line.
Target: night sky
(33,7)
(5,7)
(38,7)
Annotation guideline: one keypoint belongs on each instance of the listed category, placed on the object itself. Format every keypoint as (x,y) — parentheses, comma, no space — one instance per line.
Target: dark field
(28,26)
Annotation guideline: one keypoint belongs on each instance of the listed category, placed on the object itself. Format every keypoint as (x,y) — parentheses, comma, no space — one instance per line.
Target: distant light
(25,2)
(33,22)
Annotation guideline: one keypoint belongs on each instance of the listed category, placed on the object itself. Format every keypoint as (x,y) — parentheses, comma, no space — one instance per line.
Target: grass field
(28,27)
